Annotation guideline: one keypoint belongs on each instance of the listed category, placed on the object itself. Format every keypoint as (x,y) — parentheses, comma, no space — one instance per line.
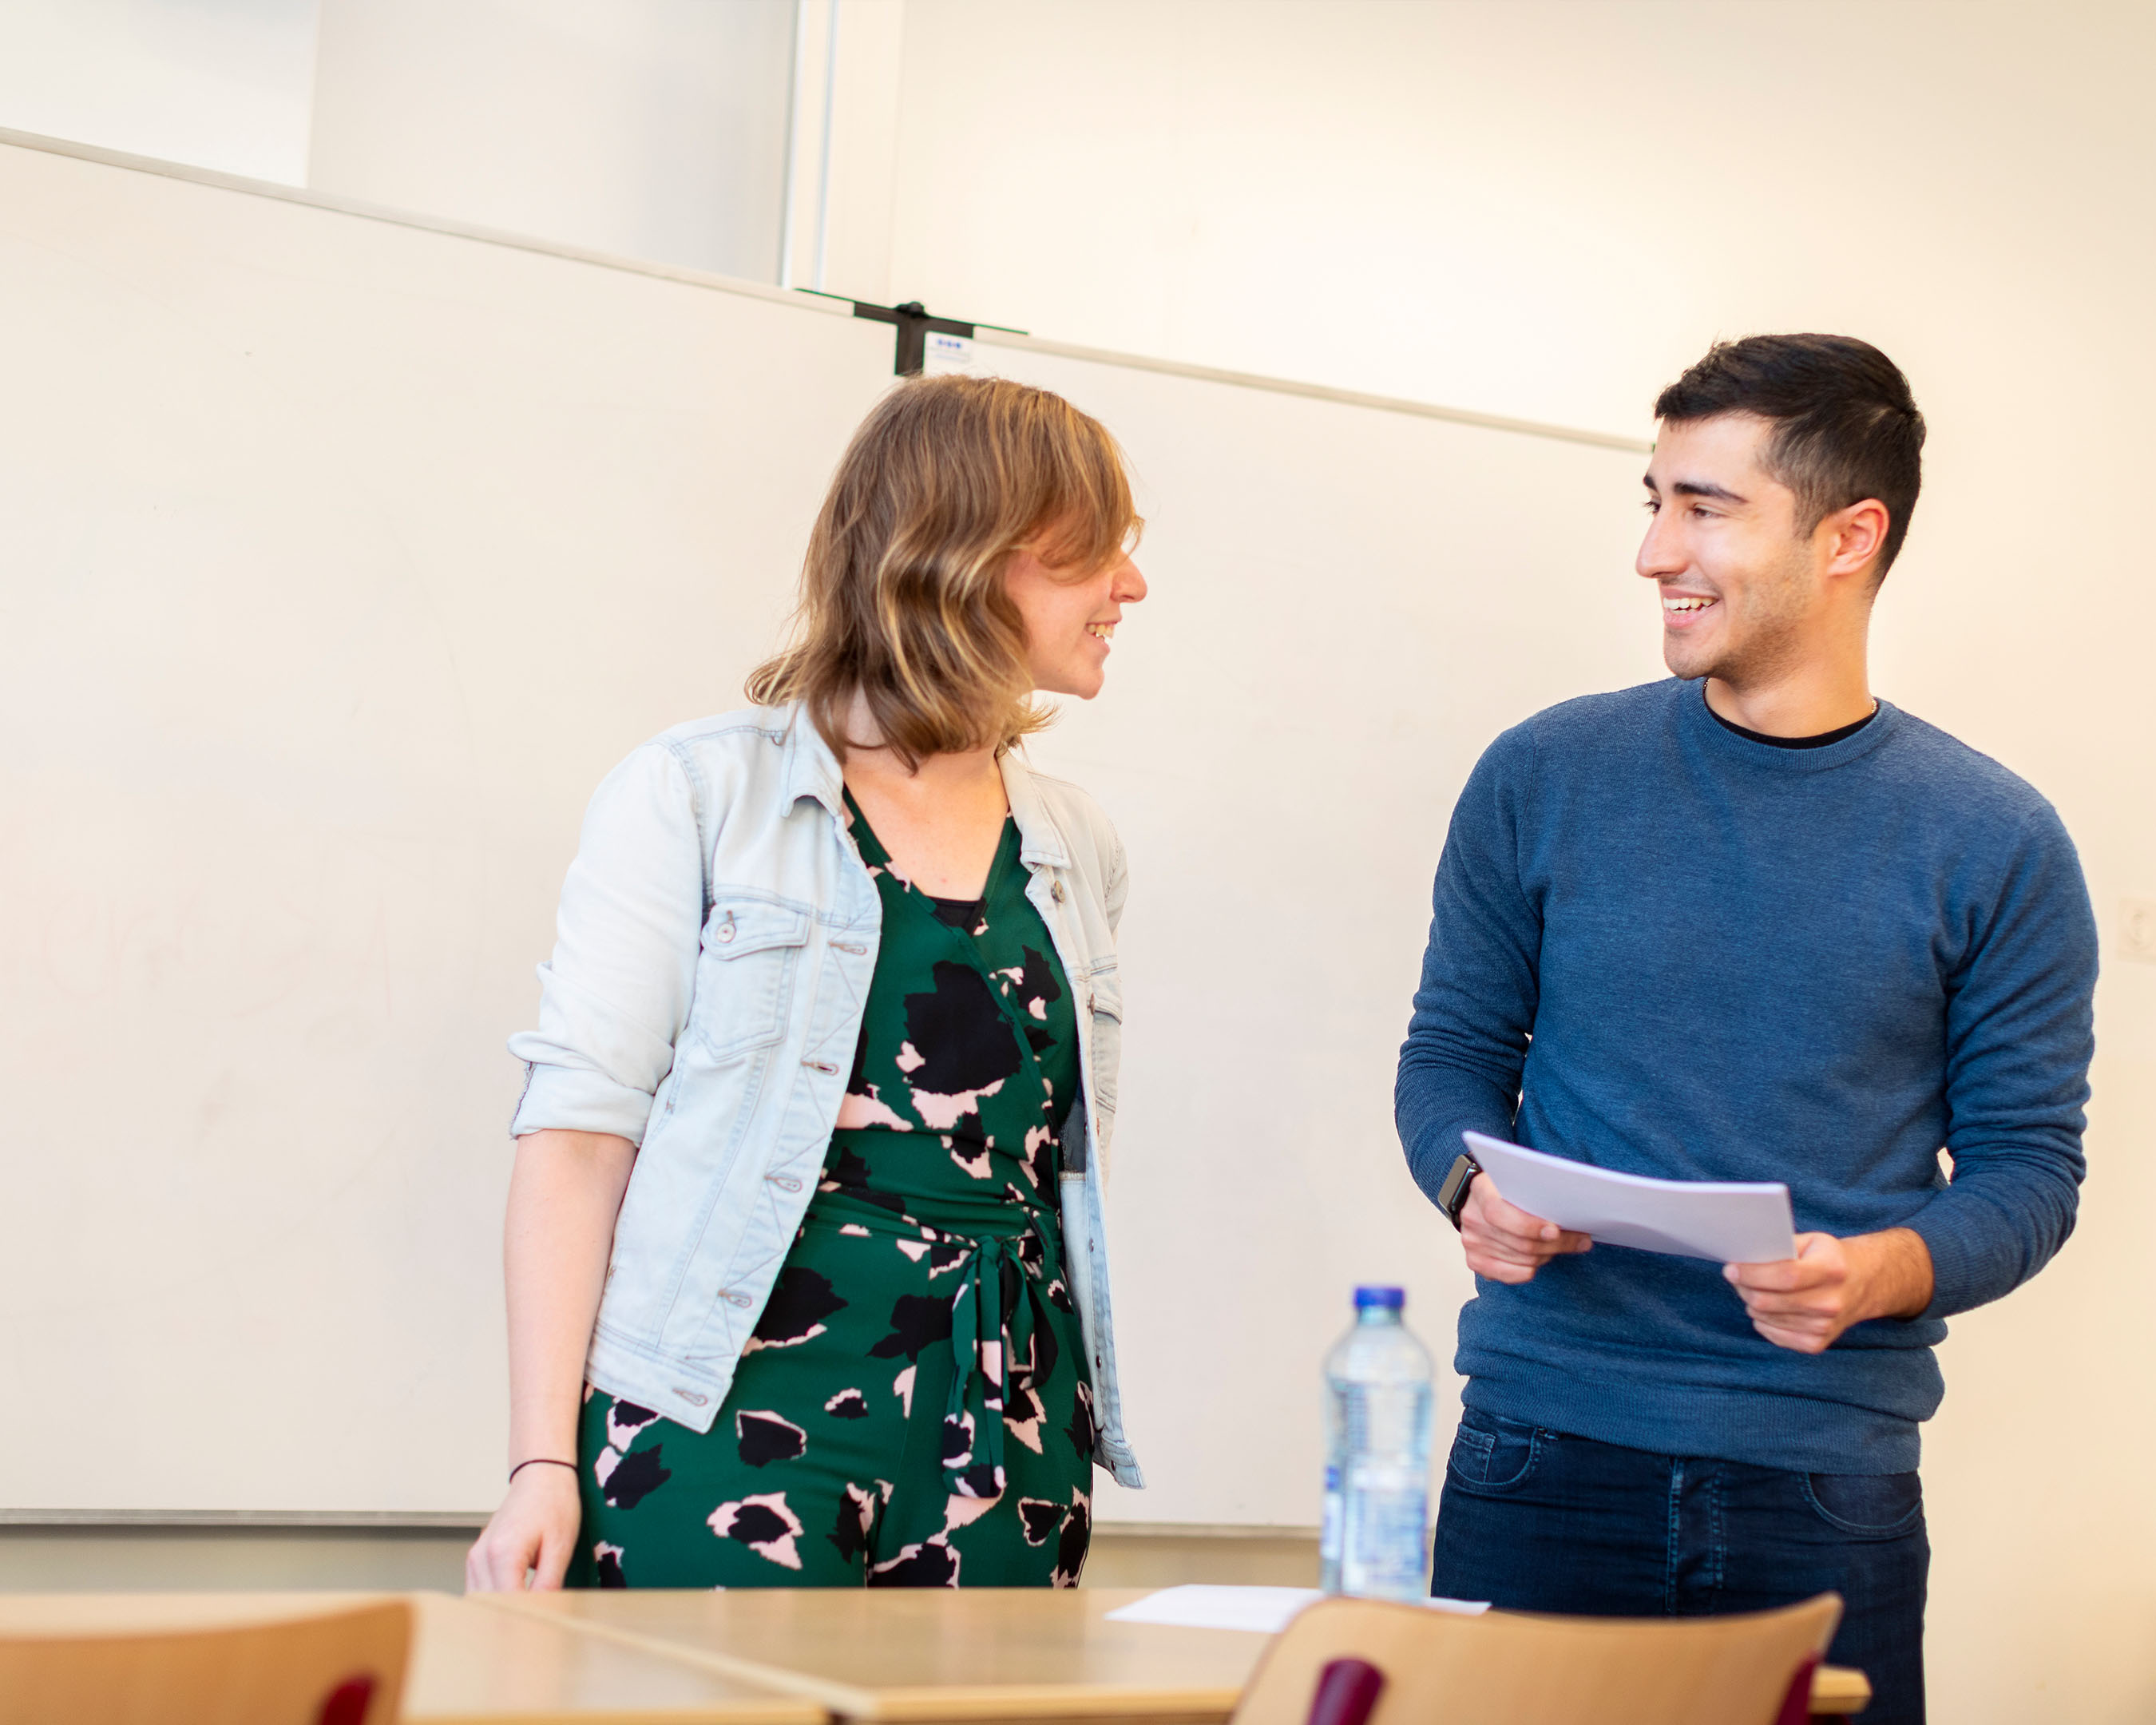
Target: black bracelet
(540,1461)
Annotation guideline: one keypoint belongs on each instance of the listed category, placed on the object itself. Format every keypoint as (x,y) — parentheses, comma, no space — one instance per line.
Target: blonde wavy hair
(902,591)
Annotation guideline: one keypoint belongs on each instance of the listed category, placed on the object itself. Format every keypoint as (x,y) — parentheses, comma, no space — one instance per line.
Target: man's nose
(1660,553)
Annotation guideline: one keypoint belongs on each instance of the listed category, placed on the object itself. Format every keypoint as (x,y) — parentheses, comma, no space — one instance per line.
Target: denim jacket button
(785,1183)
(725,932)
(690,1396)
(1056,891)
(820,1066)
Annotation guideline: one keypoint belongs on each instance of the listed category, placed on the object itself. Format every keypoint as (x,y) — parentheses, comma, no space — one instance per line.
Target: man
(1748,924)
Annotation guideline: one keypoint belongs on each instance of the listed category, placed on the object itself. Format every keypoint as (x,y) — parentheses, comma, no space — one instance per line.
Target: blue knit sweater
(1661,947)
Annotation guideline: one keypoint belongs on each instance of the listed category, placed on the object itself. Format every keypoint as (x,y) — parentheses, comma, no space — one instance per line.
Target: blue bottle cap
(1391,1299)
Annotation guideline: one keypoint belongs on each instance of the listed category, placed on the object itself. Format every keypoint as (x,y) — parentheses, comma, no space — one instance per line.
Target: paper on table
(1729,1223)
(1263,1610)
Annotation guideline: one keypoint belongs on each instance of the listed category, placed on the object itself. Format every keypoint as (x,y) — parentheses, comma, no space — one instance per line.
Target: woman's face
(1070,620)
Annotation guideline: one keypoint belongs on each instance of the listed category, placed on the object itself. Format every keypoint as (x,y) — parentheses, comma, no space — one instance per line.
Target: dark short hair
(1845,427)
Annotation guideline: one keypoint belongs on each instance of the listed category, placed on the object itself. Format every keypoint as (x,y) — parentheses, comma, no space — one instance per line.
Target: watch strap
(1452,1194)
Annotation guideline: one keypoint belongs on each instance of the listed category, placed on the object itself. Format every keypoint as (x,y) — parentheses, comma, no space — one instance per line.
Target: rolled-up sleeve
(615,996)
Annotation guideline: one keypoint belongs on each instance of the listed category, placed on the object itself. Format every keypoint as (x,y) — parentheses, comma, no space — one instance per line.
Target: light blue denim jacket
(711,963)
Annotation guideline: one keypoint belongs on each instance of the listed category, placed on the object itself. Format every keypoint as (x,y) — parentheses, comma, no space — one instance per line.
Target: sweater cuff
(1958,1255)
(1429,1157)
(564,1098)
(1438,1144)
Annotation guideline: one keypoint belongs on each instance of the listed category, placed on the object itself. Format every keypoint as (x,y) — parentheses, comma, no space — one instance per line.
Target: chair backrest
(1529,1670)
(339,1668)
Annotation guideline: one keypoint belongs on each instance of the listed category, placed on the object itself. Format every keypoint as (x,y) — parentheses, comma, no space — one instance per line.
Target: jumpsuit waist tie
(999,1332)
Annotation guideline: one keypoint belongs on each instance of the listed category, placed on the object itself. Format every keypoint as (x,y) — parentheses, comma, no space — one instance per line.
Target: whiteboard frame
(807,300)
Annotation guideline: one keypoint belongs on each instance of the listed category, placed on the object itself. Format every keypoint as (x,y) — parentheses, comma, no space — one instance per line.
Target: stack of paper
(1262,1610)
(1729,1223)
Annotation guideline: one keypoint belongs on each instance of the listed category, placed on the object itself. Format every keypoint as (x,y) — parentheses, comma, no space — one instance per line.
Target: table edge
(1832,1684)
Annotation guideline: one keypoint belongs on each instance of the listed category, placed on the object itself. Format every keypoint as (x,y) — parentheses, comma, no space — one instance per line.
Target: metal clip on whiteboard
(926,343)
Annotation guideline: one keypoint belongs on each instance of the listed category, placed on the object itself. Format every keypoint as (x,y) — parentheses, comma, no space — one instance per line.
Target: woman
(803,1249)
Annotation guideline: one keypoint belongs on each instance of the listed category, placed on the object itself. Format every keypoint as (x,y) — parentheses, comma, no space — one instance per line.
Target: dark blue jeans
(1538,1520)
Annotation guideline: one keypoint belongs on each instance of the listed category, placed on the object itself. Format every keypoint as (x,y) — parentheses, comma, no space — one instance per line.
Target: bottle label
(1382,1555)
(1329,1532)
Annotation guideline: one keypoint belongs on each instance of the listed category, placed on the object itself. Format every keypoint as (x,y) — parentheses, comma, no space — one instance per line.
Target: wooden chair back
(343,1667)
(1523,1669)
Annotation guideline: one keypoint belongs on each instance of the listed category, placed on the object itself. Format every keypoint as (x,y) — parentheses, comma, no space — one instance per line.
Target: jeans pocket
(1866,1505)
(1490,1454)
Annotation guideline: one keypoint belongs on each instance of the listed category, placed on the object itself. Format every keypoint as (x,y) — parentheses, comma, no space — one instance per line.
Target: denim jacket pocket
(1104,992)
(1866,1505)
(745,973)
(1489,1456)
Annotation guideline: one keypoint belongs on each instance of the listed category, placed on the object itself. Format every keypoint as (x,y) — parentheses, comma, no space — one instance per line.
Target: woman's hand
(532,1533)
(1504,1242)
(564,1194)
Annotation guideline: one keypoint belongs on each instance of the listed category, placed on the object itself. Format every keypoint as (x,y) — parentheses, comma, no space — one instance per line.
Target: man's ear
(1854,537)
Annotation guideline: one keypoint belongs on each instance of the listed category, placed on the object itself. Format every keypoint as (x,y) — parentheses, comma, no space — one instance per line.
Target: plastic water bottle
(1378,1411)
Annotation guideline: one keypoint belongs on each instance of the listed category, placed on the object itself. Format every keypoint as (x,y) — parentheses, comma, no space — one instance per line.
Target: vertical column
(844,184)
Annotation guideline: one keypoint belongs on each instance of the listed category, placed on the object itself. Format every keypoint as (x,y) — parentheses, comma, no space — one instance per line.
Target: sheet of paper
(1262,1610)
(1730,1223)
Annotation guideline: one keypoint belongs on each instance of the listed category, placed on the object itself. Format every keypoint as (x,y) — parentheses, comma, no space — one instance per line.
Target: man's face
(1740,586)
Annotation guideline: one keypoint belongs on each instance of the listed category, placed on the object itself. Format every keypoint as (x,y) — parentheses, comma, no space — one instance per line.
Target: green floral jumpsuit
(913,1408)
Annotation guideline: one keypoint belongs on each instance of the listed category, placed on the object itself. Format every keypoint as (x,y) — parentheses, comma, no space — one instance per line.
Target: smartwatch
(1452,1194)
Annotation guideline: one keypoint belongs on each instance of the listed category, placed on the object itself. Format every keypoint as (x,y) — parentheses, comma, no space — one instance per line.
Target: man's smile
(1682,610)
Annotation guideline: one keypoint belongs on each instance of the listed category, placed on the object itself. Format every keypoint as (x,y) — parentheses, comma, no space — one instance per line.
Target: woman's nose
(1130,585)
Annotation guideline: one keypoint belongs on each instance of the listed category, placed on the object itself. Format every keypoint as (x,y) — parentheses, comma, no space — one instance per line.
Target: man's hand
(1503,1241)
(1804,1302)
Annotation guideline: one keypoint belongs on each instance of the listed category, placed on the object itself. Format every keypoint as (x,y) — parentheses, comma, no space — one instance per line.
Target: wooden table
(974,1654)
(471,1664)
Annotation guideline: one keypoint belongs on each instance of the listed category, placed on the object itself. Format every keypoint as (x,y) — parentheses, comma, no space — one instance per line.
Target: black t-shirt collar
(1819,741)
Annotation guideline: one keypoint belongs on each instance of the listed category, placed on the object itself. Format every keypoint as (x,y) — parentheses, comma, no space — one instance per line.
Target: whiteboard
(342,558)
(344,555)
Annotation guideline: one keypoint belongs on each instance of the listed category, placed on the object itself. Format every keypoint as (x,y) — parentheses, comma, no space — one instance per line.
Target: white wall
(1548,210)
(222,84)
(652,128)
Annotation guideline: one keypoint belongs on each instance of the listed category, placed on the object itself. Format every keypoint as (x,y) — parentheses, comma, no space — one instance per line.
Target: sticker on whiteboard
(946,353)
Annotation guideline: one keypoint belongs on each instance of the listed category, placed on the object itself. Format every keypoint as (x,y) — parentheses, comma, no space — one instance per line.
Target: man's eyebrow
(1701,488)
